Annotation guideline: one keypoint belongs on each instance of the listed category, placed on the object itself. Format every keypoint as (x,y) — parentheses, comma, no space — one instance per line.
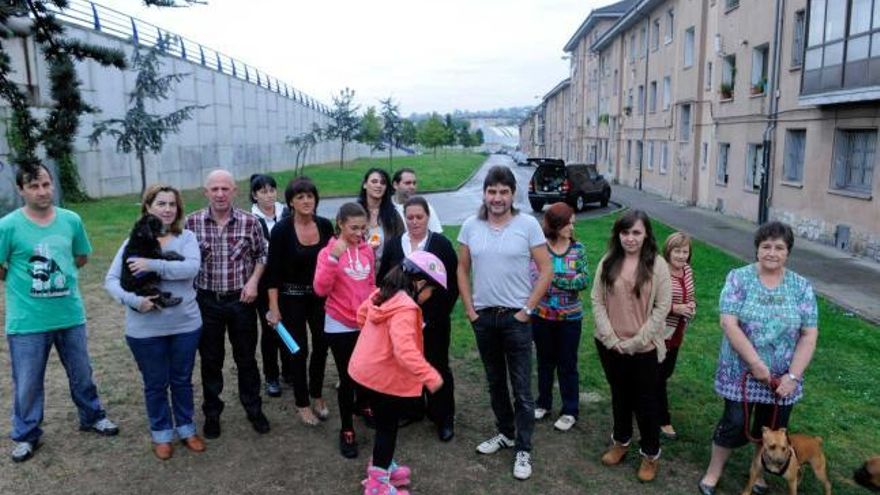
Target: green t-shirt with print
(42,293)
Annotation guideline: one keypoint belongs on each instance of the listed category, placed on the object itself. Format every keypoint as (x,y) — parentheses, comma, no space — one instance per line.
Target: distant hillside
(509,116)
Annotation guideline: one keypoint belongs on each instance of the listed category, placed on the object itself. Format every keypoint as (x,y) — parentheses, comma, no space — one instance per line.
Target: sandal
(307,416)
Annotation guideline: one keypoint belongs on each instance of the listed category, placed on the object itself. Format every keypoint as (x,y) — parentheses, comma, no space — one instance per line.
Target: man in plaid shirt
(233,259)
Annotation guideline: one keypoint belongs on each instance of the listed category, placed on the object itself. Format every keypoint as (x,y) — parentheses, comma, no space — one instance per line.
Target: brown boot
(648,468)
(163,451)
(615,454)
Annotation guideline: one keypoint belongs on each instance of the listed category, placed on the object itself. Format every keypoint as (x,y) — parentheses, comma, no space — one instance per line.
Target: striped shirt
(682,293)
(229,253)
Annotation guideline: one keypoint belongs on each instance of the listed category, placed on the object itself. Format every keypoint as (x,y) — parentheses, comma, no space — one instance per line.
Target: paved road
(455,206)
(849,281)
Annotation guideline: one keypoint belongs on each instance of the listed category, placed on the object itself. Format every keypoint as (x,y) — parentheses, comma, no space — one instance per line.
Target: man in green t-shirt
(42,248)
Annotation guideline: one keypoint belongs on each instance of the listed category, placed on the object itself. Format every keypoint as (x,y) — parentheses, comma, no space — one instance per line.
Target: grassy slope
(841,399)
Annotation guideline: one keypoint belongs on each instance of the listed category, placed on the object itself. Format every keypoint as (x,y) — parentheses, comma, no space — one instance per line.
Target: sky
(426,55)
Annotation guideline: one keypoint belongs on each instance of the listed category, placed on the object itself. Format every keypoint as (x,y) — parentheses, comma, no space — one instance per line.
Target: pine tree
(140,131)
(344,122)
(392,128)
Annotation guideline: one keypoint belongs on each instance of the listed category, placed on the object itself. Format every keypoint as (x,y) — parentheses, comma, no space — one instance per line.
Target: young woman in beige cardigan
(631,299)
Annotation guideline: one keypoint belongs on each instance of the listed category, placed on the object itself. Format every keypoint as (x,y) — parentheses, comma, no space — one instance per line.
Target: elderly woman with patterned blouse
(770,322)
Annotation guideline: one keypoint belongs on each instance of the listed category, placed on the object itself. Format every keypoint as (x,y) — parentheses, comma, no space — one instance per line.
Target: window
(721,170)
(641,102)
(797,40)
(842,46)
(667,92)
(670,26)
(652,97)
(732,4)
(664,157)
(632,47)
(704,157)
(689,47)
(793,166)
(728,77)
(708,76)
(629,148)
(754,166)
(655,34)
(629,101)
(650,155)
(759,69)
(686,123)
(854,159)
(643,41)
(614,84)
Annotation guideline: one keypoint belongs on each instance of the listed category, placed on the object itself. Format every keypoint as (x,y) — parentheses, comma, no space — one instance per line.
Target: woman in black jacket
(293,255)
(436,311)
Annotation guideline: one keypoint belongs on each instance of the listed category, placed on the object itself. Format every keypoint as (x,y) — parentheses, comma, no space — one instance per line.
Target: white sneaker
(522,466)
(565,422)
(494,444)
(540,412)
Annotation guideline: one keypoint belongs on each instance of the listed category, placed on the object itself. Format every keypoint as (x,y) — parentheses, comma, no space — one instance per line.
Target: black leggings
(666,369)
(633,381)
(387,411)
(342,346)
(296,312)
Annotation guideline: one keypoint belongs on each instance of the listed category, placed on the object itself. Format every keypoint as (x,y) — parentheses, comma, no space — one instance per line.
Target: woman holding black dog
(770,322)
(164,342)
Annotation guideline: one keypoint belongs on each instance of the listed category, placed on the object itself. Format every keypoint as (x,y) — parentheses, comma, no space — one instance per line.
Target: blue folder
(287,338)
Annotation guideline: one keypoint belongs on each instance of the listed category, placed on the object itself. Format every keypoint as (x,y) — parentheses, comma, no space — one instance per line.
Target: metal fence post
(134,32)
(202,54)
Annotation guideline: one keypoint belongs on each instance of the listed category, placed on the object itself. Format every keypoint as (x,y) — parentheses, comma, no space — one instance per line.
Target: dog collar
(784,467)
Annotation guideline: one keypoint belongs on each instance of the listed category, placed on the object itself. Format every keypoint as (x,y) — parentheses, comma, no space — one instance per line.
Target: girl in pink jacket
(389,360)
(345,276)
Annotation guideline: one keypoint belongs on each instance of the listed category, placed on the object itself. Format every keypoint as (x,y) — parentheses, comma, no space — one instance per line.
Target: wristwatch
(528,311)
(793,377)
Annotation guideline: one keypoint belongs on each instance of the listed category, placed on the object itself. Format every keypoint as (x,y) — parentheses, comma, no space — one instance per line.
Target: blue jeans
(505,346)
(167,362)
(556,343)
(29,354)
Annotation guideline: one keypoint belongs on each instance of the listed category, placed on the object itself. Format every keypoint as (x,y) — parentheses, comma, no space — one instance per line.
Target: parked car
(520,159)
(576,184)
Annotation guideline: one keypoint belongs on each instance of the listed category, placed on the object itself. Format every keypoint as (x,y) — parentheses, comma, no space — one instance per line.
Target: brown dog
(785,455)
(869,474)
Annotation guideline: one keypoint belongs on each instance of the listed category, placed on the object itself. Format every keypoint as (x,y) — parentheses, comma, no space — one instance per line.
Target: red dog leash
(774,384)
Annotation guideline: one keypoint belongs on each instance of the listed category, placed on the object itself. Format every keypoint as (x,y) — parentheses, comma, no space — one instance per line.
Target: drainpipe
(772,115)
(645,94)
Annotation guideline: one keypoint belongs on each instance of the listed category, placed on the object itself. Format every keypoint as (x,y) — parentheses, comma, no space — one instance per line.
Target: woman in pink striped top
(677,251)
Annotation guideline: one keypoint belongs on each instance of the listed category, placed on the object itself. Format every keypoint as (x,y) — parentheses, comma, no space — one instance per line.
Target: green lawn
(110,219)
(841,400)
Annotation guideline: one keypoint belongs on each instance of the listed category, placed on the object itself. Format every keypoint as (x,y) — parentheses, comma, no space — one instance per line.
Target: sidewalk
(848,281)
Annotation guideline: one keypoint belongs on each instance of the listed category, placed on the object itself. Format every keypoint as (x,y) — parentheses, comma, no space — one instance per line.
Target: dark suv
(576,184)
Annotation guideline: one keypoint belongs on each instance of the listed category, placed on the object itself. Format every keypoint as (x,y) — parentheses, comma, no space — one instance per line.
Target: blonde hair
(677,240)
(150,194)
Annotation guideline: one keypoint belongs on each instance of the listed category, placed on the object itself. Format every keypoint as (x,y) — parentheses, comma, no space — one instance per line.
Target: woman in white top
(267,209)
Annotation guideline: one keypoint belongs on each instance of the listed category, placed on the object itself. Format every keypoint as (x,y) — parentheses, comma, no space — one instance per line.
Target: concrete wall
(242,129)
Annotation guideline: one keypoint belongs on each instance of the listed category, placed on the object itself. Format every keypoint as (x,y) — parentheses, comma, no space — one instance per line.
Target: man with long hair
(498,244)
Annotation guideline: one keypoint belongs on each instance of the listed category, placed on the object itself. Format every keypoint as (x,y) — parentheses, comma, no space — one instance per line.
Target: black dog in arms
(144,243)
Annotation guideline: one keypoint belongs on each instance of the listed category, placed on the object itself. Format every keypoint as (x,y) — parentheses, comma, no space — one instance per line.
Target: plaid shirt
(229,254)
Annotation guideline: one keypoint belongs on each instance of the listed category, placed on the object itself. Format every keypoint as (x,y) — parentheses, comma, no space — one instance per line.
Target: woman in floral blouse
(556,323)
(770,322)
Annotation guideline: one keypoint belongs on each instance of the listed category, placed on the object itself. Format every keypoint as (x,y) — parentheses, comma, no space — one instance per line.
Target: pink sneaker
(378,482)
(400,475)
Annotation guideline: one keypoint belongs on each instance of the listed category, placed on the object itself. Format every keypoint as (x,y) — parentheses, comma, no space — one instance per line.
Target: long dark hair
(615,254)
(395,281)
(498,175)
(388,217)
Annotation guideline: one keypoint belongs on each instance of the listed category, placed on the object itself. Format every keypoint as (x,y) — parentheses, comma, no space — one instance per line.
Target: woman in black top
(293,254)
(436,311)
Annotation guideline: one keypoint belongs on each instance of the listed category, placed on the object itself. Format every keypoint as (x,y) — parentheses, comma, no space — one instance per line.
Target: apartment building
(758,109)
